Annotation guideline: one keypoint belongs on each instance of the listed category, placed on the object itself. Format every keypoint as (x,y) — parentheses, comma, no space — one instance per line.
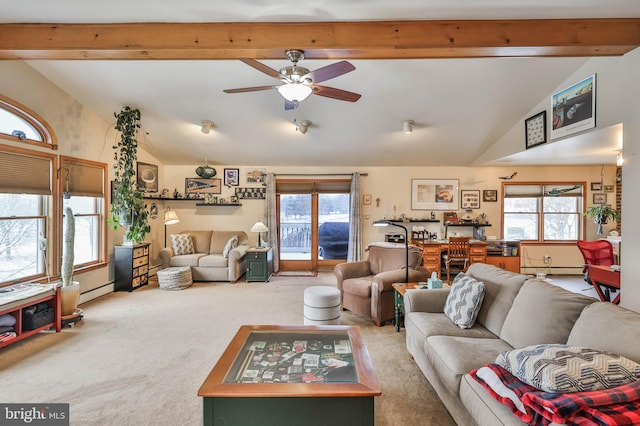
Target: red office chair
(599,252)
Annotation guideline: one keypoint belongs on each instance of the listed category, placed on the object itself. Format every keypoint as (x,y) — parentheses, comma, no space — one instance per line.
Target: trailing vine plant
(127,206)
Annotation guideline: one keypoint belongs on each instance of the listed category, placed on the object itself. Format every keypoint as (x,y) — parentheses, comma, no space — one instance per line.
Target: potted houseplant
(601,214)
(70,290)
(127,206)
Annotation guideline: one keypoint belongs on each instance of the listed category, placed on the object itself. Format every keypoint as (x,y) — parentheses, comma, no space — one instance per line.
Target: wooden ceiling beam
(322,40)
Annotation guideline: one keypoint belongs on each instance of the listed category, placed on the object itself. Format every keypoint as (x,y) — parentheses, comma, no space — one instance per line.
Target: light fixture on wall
(619,158)
(170,218)
(259,227)
(303,126)
(206,126)
(407,126)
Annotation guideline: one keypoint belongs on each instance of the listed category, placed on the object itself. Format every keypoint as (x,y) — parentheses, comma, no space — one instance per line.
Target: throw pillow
(182,244)
(564,368)
(231,244)
(464,300)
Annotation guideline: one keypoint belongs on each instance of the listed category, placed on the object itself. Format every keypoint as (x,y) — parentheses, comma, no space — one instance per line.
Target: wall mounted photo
(147,177)
(599,198)
(596,186)
(574,108)
(608,188)
(366,199)
(490,195)
(197,186)
(434,194)
(256,175)
(231,177)
(251,193)
(535,130)
(470,199)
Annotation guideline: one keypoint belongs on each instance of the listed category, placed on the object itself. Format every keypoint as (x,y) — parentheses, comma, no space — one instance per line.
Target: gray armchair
(366,286)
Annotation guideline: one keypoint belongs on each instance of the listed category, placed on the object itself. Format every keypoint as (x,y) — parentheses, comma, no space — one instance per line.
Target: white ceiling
(460,106)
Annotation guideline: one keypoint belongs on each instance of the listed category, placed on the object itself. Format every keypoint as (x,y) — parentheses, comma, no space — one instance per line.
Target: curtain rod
(319,174)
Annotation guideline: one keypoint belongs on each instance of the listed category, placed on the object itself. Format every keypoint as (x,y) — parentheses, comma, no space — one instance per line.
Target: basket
(176,278)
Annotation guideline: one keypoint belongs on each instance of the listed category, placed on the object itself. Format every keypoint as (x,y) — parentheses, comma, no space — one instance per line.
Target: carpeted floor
(139,358)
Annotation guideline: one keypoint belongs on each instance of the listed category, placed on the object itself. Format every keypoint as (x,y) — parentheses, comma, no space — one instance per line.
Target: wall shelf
(412,220)
(219,204)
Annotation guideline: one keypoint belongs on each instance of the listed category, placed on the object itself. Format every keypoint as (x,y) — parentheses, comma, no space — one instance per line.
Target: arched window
(20,124)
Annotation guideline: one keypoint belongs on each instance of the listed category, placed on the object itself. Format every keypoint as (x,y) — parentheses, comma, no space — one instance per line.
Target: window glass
(86,211)
(11,124)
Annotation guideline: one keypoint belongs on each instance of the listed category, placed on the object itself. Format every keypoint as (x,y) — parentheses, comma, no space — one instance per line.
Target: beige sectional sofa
(208,263)
(516,312)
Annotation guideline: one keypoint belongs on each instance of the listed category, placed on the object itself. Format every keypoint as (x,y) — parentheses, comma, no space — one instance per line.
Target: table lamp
(170,218)
(259,227)
(406,244)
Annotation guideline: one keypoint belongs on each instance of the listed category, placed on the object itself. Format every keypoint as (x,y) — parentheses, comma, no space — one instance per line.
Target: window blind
(85,180)
(320,186)
(25,174)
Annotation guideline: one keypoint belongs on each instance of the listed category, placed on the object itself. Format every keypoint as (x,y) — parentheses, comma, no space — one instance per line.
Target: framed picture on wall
(573,109)
(470,199)
(434,194)
(599,198)
(490,195)
(202,186)
(535,129)
(231,177)
(366,199)
(147,177)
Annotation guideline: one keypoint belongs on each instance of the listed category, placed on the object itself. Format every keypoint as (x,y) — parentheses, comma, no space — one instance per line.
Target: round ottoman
(175,278)
(321,305)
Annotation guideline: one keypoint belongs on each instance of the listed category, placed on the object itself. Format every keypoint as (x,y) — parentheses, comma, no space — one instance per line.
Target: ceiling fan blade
(261,67)
(331,71)
(330,92)
(249,89)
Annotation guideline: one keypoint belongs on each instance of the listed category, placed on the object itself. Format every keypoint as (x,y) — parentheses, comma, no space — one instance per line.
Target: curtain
(355,222)
(271,219)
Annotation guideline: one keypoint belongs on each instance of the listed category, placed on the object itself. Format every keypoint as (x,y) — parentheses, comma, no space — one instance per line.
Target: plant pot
(126,217)
(69,296)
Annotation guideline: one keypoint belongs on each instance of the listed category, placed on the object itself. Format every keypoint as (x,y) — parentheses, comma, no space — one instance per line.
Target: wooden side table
(259,264)
(399,289)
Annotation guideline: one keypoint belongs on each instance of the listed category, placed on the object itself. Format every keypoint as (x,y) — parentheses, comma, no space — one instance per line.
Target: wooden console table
(432,253)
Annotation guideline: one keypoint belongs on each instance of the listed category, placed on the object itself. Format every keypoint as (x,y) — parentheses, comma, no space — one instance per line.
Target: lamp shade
(294,91)
(259,227)
(171,217)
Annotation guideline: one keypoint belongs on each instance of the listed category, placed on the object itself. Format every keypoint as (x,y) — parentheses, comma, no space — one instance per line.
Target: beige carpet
(139,358)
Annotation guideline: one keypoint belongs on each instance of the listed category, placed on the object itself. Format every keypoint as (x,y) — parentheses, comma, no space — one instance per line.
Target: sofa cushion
(500,288)
(563,368)
(213,261)
(219,240)
(464,300)
(542,313)
(425,324)
(231,244)
(181,244)
(483,407)
(358,286)
(609,327)
(186,259)
(201,240)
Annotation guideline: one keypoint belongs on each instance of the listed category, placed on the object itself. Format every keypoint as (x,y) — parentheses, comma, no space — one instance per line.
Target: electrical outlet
(547,259)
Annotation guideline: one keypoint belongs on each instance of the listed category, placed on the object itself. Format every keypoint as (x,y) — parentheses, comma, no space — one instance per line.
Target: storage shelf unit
(259,264)
(131,266)
(504,254)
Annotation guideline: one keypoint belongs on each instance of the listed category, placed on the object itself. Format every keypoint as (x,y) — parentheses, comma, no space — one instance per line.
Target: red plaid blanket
(616,406)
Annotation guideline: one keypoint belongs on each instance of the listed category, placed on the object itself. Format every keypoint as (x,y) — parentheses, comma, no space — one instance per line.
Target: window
(543,212)
(82,185)
(18,123)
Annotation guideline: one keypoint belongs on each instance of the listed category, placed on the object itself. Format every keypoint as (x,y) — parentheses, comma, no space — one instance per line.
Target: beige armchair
(365,286)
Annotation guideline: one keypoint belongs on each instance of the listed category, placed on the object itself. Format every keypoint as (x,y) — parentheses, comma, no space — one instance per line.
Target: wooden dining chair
(457,254)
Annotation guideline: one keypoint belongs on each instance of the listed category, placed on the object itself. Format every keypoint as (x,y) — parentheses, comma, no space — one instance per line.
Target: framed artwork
(147,177)
(599,198)
(434,194)
(470,199)
(490,195)
(574,109)
(231,177)
(535,130)
(596,186)
(256,175)
(608,188)
(251,193)
(202,186)
(366,199)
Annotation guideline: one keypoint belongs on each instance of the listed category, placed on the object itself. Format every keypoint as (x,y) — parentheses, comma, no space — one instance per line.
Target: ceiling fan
(299,82)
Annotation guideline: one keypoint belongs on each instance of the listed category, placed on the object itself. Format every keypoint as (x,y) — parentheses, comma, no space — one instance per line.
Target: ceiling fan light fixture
(206,126)
(295,92)
(303,126)
(407,126)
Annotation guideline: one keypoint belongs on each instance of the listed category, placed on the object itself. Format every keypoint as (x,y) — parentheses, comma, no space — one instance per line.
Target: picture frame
(596,186)
(608,188)
(599,198)
(231,177)
(366,199)
(256,175)
(434,194)
(490,195)
(535,130)
(573,109)
(147,177)
(470,199)
(197,186)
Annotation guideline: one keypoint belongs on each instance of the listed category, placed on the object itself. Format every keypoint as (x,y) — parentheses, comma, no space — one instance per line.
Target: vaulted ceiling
(464,78)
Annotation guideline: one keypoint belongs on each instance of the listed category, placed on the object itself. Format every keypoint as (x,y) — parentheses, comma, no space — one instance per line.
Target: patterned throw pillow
(563,368)
(182,244)
(464,300)
(231,244)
